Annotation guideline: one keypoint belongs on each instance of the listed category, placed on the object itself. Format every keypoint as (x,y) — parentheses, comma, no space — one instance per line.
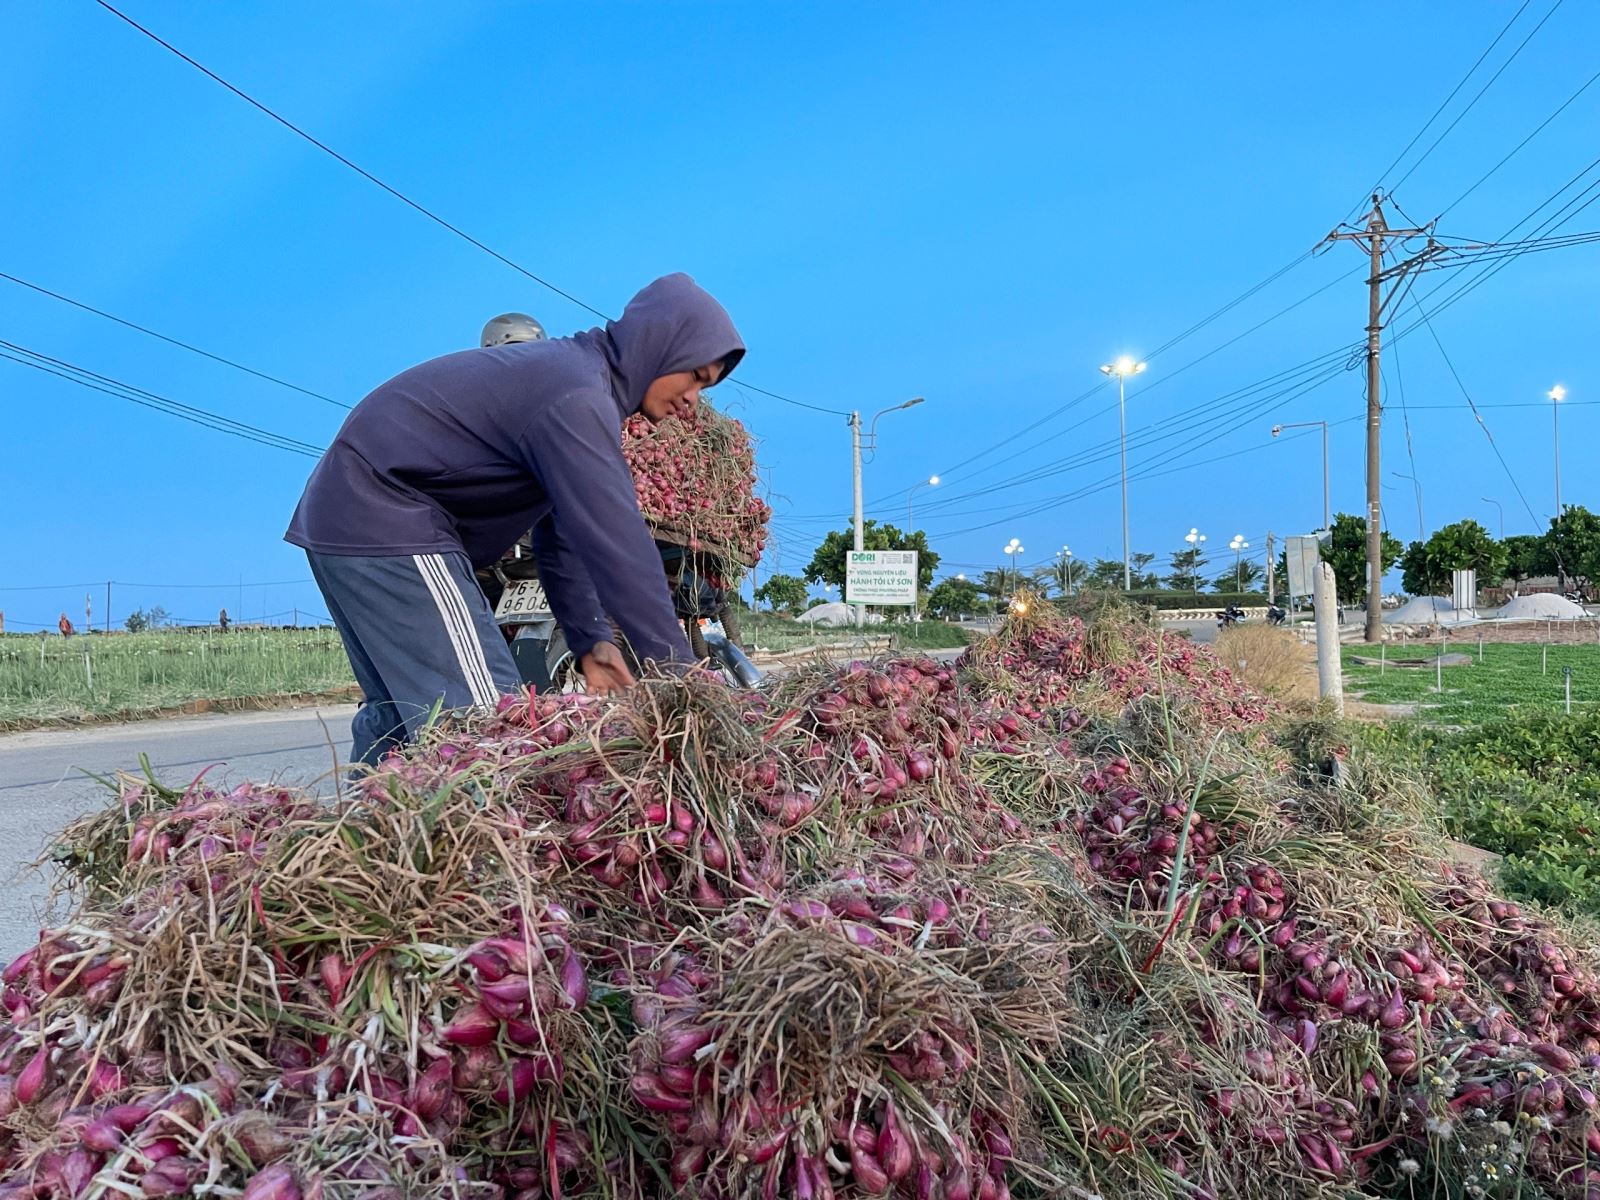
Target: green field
(770,631)
(43,678)
(1509,678)
(50,678)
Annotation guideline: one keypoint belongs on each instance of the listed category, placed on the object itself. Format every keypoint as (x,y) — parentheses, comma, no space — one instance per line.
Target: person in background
(438,471)
(222,620)
(65,626)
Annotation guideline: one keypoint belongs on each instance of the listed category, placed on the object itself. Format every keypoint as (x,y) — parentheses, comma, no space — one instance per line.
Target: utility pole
(108,606)
(1272,567)
(1372,237)
(855,470)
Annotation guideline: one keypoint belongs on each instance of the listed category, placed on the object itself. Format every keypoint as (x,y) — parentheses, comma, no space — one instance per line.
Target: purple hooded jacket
(469,451)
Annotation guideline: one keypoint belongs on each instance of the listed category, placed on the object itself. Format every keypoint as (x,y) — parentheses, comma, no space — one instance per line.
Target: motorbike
(701,597)
(1230,616)
(1276,615)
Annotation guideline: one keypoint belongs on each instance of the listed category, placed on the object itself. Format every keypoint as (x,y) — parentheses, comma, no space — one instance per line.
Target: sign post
(1302,553)
(881,577)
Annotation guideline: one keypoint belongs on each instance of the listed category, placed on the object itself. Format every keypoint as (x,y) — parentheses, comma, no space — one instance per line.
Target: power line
(1518,147)
(59,587)
(122,391)
(1444,104)
(1473,102)
(394,191)
(182,345)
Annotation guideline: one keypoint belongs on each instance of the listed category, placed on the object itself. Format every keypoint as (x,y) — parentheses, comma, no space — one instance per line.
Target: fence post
(1544,659)
(1480,647)
(1330,677)
(1383,657)
(88,668)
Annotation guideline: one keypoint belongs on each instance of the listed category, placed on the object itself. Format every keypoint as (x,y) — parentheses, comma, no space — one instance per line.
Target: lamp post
(1196,539)
(1500,508)
(1122,368)
(1557,394)
(1066,559)
(1238,546)
(1327,518)
(1013,548)
(871,443)
(911,520)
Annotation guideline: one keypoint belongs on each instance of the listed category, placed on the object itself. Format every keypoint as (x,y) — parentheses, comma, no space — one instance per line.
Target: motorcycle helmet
(511,327)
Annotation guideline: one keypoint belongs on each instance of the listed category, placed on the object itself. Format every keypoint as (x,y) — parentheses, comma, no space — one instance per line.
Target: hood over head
(671,325)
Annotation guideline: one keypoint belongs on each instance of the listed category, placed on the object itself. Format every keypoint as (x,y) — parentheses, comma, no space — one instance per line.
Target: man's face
(677,394)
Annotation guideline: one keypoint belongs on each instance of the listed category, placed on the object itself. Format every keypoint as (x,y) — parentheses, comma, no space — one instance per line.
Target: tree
(1187,566)
(1105,574)
(1574,543)
(953,598)
(1465,545)
(1242,579)
(827,565)
(997,583)
(1528,555)
(784,593)
(137,622)
(1346,552)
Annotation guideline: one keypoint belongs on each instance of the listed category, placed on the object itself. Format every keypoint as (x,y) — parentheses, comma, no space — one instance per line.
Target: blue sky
(979,205)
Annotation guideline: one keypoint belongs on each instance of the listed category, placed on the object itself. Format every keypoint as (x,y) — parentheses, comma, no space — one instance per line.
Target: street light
(1066,555)
(1122,368)
(1013,548)
(1196,539)
(1501,508)
(1238,546)
(1557,394)
(1327,519)
(871,442)
(911,521)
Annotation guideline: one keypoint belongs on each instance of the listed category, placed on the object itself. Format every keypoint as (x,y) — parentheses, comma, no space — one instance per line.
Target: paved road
(43,785)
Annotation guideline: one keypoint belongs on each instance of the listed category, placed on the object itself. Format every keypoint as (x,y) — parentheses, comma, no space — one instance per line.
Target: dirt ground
(1556,633)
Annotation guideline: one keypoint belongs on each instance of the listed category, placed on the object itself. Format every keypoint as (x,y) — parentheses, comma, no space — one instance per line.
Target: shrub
(1270,660)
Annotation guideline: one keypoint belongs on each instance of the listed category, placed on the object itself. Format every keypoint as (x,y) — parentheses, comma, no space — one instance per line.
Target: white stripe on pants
(458,624)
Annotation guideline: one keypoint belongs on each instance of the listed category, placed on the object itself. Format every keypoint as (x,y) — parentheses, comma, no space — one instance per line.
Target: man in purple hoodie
(442,468)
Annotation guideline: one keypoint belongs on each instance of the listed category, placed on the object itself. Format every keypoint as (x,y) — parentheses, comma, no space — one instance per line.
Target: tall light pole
(871,442)
(1502,511)
(1122,368)
(1327,517)
(1013,548)
(1196,539)
(1066,558)
(911,520)
(1238,546)
(1557,394)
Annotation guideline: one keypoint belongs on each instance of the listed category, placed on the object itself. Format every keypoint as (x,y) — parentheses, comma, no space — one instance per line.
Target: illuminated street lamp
(1122,368)
(1196,539)
(1557,394)
(1238,546)
(1012,549)
(911,521)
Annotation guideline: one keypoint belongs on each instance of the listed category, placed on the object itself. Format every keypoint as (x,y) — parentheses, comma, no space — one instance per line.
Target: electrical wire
(415,205)
(1473,102)
(182,345)
(1517,148)
(122,391)
(1444,104)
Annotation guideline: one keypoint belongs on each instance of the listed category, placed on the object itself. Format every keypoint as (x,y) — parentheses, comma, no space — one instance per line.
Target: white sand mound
(1541,606)
(834,615)
(1422,610)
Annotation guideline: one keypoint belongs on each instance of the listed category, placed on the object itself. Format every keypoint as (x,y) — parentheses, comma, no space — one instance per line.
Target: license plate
(522,598)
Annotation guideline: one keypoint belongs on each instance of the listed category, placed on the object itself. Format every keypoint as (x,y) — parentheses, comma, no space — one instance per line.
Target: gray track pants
(419,634)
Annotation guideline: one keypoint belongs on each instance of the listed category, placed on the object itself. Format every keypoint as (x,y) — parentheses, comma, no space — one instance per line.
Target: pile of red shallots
(1060,919)
(696,480)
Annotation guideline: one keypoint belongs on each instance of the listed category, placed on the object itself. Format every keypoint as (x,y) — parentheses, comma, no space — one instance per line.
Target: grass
(1272,661)
(1510,678)
(773,631)
(46,678)
(43,678)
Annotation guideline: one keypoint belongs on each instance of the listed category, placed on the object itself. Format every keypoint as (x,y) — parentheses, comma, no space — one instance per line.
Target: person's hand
(605,671)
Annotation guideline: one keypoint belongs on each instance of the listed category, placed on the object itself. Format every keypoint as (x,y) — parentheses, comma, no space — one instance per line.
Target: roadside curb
(190,708)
